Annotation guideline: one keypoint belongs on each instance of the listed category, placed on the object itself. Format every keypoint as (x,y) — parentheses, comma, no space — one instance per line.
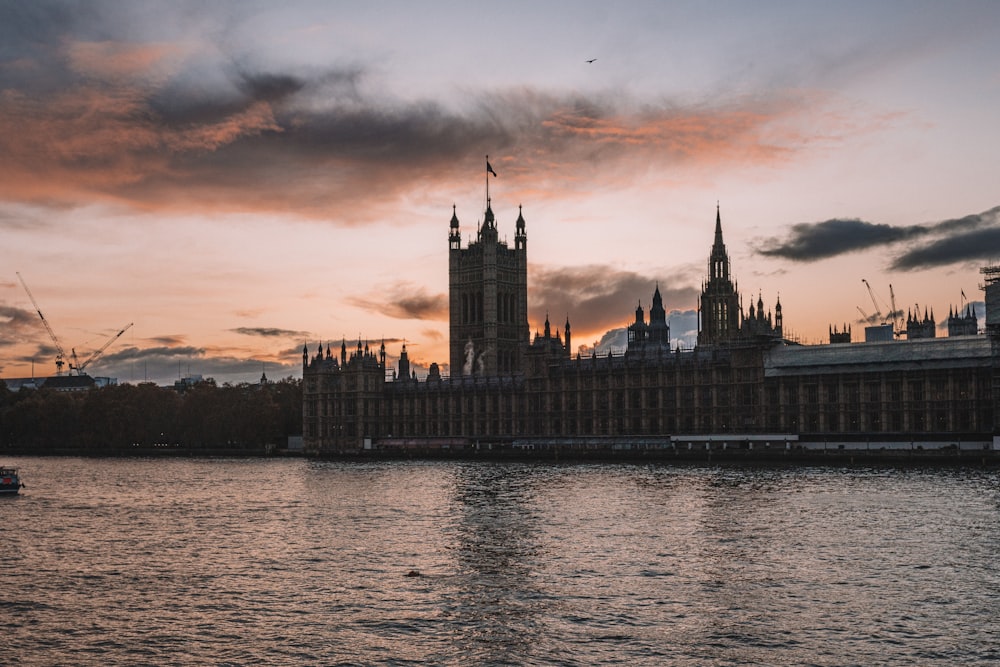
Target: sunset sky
(238,178)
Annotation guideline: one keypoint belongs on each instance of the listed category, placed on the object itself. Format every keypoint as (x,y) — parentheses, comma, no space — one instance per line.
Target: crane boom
(52,334)
(896,316)
(99,352)
(871,293)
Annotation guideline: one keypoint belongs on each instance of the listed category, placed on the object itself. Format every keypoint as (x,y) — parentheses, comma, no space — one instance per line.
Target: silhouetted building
(742,381)
(720,313)
(653,337)
(840,335)
(488,299)
(960,324)
(917,328)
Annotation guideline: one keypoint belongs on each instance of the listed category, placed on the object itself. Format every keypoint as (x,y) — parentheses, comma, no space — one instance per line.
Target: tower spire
(718,227)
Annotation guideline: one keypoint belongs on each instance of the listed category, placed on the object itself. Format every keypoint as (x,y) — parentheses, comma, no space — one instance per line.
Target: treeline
(130,419)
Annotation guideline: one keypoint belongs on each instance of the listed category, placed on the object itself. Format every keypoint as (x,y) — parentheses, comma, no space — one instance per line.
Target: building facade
(742,381)
(488,299)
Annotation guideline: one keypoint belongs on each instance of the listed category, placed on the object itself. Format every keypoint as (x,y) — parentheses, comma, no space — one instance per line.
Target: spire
(718,263)
(718,226)
(568,347)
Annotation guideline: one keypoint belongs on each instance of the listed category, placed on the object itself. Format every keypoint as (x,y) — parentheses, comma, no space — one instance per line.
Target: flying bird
(592,60)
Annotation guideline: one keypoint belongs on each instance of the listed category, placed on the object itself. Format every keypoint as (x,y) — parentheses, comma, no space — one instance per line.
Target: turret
(520,237)
(404,364)
(454,237)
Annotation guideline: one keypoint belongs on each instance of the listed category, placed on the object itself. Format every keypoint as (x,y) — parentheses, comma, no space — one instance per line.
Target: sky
(237,179)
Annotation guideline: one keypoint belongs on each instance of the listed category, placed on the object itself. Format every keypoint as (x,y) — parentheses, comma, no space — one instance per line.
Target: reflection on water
(295,562)
(496,606)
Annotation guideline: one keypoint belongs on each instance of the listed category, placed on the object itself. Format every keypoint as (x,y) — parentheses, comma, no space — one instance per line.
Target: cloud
(164,364)
(683,333)
(18,325)
(271,332)
(978,245)
(971,237)
(819,240)
(169,340)
(599,297)
(93,113)
(404,301)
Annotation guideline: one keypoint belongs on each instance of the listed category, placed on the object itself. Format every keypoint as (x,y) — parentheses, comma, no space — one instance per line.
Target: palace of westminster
(743,382)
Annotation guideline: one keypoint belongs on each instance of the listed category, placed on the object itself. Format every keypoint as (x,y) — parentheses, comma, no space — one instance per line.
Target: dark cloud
(404,301)
(971,237)
(979,245)
(169,340)
(163,365)
(819,240)
(18,326)
(598,297)
(110,109)
(14,322)
(271,332)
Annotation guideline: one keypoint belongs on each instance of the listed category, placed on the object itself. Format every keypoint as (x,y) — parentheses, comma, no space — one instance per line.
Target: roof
(925,353)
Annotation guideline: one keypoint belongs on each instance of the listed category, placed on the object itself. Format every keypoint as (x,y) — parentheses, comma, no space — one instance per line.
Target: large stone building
(488,299)
(742,383)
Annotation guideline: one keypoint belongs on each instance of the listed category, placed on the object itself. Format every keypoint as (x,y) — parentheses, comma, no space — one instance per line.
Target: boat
(10,483)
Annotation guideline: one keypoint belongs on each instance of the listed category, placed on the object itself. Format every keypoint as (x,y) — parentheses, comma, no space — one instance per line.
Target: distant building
(183,384)
(966,324)
(649,338)
(842,335)
(74,382)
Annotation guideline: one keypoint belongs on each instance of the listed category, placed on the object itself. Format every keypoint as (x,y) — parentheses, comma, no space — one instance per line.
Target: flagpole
(487,180)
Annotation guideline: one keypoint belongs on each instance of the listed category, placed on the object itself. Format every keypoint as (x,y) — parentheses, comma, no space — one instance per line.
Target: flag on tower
(489,168)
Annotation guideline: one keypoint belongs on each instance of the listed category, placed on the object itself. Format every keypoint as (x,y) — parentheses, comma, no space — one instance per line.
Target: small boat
(10,483)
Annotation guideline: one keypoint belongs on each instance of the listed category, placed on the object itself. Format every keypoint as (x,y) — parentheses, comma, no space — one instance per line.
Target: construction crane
(897,316)
(82,367)
(60,362)
(871,293)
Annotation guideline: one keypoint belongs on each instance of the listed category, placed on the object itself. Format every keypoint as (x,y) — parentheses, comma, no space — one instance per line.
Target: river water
(295,562)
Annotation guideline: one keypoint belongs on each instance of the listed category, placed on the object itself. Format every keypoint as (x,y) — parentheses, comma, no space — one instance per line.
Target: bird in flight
(592,60)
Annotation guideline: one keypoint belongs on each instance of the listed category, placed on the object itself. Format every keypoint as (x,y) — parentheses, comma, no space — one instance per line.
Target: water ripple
(215,562)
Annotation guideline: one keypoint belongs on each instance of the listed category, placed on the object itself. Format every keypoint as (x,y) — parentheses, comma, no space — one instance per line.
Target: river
(297,562)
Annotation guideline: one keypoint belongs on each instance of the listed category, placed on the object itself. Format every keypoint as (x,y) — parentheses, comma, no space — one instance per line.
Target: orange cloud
(117,60)
(405,301)
(265,144)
